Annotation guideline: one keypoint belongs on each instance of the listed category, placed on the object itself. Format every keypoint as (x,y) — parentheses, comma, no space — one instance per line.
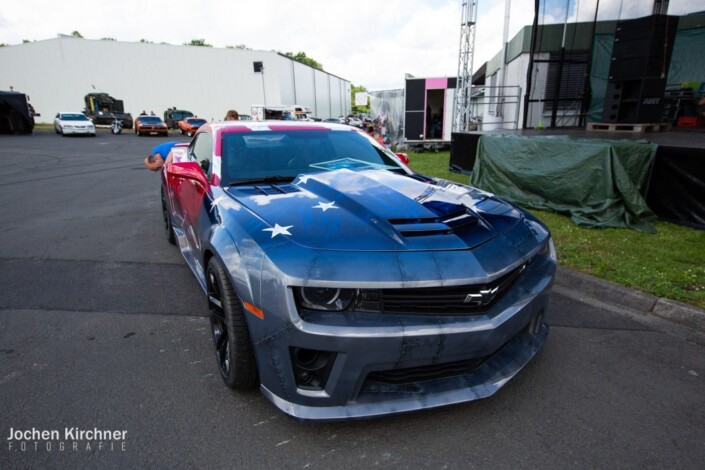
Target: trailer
(428,112)
(16,114)
(262,112)
(101,108)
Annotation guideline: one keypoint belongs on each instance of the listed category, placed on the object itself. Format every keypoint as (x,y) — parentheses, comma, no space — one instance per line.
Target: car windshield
(196,122)
(74,117)
(150,120)
(249,156)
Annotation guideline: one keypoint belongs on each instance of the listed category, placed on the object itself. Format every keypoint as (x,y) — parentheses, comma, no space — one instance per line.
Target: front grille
(430,372)
(472,299)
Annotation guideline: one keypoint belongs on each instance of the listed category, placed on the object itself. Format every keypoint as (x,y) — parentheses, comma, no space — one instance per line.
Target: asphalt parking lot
(103,326)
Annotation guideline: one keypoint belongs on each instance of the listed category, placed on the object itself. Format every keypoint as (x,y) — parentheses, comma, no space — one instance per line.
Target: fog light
(311,367)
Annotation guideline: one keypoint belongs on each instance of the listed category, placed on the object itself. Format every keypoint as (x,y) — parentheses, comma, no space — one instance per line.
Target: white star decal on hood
(325,206)
(278,230)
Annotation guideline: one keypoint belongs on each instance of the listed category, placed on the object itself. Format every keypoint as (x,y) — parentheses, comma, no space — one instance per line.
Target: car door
(192,192)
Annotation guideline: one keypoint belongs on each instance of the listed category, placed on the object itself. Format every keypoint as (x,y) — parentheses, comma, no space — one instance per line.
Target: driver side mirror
(403,157)
(189,170)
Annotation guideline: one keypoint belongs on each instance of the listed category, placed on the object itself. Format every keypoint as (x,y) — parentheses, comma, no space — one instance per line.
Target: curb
(632,299)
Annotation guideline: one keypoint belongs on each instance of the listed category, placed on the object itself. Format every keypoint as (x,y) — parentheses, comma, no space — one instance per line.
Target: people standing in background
(232,115)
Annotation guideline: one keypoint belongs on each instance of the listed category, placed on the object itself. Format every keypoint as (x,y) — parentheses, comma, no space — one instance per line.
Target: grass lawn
(669,264)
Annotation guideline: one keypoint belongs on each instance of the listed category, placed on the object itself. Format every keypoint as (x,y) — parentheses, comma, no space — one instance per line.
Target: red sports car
(150,125)
(189,126)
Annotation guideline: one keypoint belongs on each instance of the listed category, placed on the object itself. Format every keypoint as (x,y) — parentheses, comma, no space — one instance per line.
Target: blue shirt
(163,149)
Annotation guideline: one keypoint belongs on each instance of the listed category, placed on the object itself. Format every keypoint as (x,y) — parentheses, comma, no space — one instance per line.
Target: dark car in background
(150,125)
(344,284)
(172,116)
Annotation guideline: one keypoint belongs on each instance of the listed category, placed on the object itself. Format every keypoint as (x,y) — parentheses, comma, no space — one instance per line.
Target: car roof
(279,125)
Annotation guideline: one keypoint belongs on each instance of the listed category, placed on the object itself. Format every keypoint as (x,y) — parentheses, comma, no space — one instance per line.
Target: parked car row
(70,123)
(188,124)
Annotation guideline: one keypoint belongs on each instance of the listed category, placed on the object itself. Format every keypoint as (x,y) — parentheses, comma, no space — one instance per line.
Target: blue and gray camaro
(344,284)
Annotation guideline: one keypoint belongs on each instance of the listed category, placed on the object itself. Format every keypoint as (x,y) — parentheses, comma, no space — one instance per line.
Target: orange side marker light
(254,310)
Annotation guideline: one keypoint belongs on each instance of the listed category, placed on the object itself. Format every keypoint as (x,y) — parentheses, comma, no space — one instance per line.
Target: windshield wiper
(264,179)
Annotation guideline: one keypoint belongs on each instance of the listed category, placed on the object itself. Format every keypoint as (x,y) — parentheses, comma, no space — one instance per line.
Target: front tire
(231,337)
(168,227)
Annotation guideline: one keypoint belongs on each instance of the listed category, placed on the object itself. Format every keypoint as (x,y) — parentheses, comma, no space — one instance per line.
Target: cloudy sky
(369,42)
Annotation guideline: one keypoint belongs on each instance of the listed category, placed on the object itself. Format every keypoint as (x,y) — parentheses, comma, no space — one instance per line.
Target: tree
(146,41)
(25,41)
(302,57)
(198,42)
(239,46)
(108,39)
(358,109)
(76,34)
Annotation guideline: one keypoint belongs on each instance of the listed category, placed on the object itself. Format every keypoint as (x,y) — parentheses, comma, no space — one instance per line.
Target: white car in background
(73,123)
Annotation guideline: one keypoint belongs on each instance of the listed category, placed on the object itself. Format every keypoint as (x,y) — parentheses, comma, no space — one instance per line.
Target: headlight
(549,250)
(325,298)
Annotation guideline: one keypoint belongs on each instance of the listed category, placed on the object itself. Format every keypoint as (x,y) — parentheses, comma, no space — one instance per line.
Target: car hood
(376,210)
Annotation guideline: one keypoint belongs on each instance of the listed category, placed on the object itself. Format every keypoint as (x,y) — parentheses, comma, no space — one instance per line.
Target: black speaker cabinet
(463,151)
(642,48)
(634,101)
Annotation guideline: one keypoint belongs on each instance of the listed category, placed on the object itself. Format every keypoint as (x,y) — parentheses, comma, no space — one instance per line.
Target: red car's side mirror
(403,157)
(189,170)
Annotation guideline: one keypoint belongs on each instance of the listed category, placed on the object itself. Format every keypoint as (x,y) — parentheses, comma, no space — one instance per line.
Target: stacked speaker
(641,57)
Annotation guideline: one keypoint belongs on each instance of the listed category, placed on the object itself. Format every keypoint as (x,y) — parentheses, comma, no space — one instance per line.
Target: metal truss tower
(461,104)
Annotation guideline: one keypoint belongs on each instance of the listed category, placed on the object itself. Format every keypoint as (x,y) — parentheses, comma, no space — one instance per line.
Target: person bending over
(159,156)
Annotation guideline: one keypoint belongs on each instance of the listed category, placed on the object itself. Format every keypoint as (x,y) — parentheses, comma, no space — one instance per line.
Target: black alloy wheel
(233,348)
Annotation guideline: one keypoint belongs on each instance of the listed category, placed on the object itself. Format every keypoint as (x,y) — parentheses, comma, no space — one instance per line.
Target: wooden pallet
(610,127)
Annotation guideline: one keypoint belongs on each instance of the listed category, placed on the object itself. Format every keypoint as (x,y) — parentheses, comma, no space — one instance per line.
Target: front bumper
(378,400)
(148,130)
(496,344)
(70,130)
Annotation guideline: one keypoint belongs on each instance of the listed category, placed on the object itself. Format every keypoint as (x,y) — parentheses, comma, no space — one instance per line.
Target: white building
(58,73)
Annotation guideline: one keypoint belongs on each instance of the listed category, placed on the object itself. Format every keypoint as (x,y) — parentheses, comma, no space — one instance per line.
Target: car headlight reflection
(326,298)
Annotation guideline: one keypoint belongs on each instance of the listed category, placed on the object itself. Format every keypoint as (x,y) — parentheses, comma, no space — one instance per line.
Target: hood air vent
(441,225)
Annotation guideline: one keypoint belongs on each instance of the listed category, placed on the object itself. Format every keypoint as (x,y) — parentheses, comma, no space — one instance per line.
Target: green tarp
(596,182)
